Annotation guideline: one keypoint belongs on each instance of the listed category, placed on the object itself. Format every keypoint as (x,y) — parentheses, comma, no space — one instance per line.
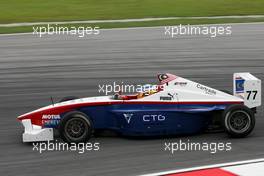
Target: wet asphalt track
(32,69)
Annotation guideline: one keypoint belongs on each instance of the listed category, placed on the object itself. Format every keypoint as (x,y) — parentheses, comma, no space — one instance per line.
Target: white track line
(206,167)
(131,20)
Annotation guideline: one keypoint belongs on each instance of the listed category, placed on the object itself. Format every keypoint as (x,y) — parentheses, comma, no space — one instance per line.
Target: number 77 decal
(253,93)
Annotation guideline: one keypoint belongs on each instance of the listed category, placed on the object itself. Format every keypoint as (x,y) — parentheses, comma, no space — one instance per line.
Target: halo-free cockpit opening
(148,89)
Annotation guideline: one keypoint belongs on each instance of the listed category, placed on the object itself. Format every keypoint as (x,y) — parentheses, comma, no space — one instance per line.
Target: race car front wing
(34,133)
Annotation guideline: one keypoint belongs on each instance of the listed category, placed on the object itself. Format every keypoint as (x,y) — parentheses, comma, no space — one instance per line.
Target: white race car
(175,106)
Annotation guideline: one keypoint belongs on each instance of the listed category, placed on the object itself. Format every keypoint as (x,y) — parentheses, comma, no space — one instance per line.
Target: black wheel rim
(239,121)
(75,128)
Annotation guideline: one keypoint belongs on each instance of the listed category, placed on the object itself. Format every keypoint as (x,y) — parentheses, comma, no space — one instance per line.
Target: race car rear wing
(247,87)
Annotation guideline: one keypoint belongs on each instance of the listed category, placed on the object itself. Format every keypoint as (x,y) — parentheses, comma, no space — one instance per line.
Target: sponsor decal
(128,117)
(146,117)
(180,84)
(169,97)
(240,85)
(207,90)
(153,118)
(50,119)
(162,77)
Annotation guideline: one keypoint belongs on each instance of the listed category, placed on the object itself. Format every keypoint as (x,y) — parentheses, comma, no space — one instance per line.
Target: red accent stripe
(205,172)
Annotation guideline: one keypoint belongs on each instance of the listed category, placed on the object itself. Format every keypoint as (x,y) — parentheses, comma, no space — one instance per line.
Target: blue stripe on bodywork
(179,118)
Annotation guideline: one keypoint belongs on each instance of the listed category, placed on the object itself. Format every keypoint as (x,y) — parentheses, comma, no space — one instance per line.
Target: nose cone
(23,116)
(39,115)
(28,115)
(34,116)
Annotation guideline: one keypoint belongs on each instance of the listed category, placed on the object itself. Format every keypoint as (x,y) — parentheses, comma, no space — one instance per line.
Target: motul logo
(50,117)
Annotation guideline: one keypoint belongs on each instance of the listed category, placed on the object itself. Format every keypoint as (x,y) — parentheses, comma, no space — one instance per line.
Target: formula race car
(172,107)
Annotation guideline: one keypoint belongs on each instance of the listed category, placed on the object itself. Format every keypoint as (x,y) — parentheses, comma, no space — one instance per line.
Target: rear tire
(75,127)
(238,121)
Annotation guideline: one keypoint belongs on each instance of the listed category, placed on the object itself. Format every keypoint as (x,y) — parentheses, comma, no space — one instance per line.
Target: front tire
(238,121)
(75,127)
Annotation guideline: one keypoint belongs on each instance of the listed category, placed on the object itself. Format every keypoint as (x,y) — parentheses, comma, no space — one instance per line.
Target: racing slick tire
(238,121)
(75,127)
(68,98)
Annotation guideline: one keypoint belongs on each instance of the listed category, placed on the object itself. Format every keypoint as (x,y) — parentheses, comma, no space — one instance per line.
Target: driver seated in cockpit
(148,89)
(139,95)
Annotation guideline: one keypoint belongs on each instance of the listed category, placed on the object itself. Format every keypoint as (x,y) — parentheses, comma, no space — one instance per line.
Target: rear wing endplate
(247,87)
